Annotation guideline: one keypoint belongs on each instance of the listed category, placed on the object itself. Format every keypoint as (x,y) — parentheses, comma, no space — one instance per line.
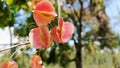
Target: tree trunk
(10,33)
(78,58)
(114,59)
(78,46)
(13,49)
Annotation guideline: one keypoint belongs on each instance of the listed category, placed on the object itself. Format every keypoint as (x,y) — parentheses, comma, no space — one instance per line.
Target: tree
(93,17)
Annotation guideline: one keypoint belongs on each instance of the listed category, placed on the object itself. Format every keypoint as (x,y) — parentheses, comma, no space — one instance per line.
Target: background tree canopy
(95,42)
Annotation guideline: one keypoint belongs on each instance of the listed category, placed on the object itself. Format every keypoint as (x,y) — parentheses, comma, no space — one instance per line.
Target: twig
(13,46)
(16,52)
(59,8)
(12,54)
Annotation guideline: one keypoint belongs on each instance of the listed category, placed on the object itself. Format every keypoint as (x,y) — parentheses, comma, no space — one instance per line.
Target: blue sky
(112,10)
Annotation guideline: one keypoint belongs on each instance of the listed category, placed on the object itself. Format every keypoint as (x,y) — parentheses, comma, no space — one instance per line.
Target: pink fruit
(35,62)
(9,64)
(63,32)
(40,37)
(44,13)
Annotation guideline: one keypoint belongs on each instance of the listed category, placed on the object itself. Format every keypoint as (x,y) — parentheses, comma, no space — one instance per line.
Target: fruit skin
(9,64)
(44,13)
(35,62)
(63,32)
(40,37)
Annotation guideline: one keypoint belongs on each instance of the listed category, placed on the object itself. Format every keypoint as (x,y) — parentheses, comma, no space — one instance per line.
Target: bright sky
(112,10)
(5,37)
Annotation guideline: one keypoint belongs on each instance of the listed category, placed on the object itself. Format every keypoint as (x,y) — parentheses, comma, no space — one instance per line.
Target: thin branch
(74,39)
(13,46)
(16,52)
(4,44)
(75,12)
(59,8)
(13,54)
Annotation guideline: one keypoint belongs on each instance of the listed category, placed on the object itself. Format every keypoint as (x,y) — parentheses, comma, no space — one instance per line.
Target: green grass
(98,60)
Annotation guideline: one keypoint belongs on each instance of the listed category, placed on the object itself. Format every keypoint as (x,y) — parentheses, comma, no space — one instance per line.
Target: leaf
(9,2)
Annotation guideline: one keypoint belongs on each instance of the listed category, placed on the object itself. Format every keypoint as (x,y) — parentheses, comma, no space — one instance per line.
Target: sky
(5,37)
(112,10)
(4,33)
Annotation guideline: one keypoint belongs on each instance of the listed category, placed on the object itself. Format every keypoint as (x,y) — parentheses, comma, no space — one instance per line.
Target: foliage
(92,17)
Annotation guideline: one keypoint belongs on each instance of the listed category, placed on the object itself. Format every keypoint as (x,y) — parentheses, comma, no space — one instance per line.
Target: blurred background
(95,42)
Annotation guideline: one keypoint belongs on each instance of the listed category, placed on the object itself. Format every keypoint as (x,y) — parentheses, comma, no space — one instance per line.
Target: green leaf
(9,2)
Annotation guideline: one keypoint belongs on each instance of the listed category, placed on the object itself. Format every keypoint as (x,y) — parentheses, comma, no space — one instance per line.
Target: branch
(13,46)
(101,37)
(79,28)
(59,8)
